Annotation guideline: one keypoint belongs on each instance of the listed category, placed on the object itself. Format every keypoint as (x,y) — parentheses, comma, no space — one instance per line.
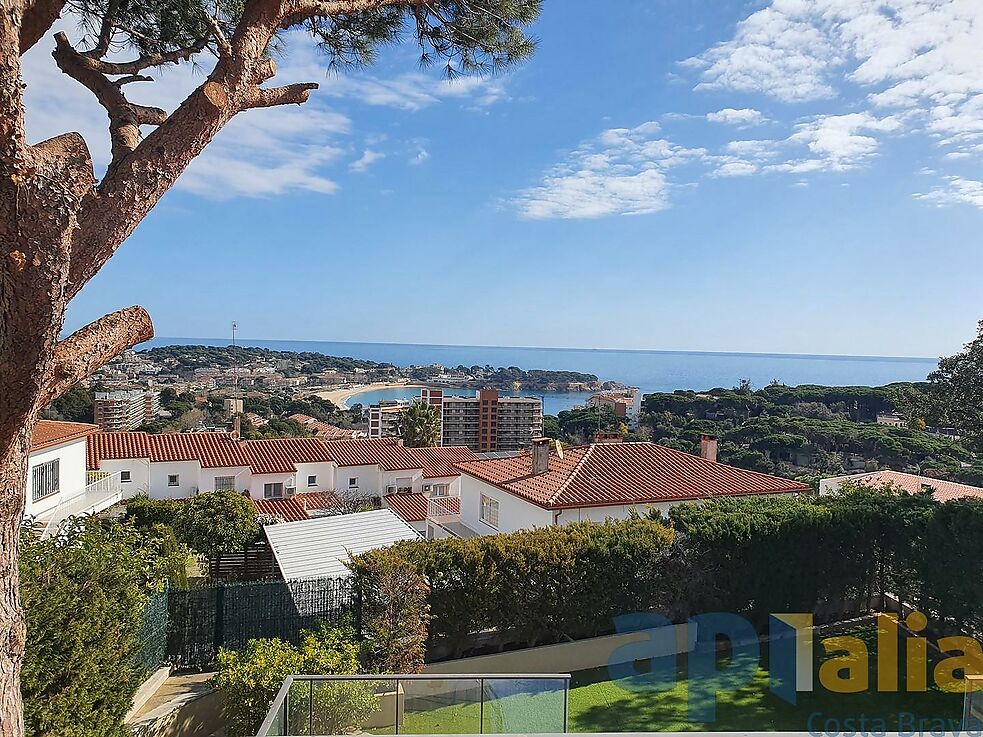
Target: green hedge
(537,585)
(752,556)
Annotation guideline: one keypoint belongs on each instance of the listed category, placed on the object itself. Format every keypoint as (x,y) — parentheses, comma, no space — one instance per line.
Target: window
(489,511)
(353,482)
(404,485)
(439,490)
(225,482)
(124,477)
(273,491)
(44,480)
(173,479)
(312,480)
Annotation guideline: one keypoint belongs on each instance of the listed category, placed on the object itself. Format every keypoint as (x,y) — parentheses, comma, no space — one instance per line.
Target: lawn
(598,704)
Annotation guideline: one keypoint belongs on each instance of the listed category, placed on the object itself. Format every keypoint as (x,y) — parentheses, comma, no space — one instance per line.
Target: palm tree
(419,425)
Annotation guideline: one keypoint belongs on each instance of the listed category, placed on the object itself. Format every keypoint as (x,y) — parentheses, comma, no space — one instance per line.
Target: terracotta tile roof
(413,507)
(388,453)
(325,430)
(211,449)
(280,455)
(942,491)
(295,509)
(623,473)
(48,433)
(439,462)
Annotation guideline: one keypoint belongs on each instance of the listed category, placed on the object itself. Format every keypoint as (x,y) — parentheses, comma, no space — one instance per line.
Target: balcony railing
(100,494)
(429,703)
(443,509)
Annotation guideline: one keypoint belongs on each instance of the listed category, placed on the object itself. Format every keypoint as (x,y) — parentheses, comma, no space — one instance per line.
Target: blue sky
(782,176)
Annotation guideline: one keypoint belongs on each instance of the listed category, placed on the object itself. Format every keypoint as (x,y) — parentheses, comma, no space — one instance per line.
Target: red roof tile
(295,509)
(439,462)
(623,473)
(413,507)
(280,455)
(388,453)
(942,491)
(211,449)
(48,433)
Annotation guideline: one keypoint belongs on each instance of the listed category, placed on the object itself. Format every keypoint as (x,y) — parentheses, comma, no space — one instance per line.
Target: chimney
(708,447)
(541,455)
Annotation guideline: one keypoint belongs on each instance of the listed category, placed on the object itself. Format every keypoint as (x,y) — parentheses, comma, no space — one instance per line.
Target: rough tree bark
(58,226)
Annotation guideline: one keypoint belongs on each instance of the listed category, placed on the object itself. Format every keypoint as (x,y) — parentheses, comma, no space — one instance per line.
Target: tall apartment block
(122,411)
(486,422)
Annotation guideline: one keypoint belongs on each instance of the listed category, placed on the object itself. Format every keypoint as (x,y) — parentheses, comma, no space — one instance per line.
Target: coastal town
(536,367)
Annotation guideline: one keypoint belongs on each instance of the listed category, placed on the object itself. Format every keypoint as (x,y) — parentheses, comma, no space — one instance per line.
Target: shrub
(395,615)
(146,512)
(217,522)
(84,594)
(251,677)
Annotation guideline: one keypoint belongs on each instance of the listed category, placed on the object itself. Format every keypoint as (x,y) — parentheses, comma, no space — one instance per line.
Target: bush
(146,512)
(251,677)
(84,594)
(537,585)
(217,522)
(394,616)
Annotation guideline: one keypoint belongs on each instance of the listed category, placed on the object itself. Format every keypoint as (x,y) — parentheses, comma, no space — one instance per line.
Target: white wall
(599,514)
(71,474)
(453,484)
(369,480)
(325,473)
(259,480)
(513,512)
(188,479)
(139,469)
(206,479)
(389,478)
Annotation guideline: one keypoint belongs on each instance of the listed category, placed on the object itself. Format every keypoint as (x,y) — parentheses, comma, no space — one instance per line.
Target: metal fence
(203,619)
(153,633)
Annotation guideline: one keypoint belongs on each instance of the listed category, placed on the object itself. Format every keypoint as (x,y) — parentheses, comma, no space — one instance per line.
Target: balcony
(445,512)
(419,704)
(102,492)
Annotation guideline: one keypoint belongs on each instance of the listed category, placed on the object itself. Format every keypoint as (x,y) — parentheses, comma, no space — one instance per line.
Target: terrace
(102,492)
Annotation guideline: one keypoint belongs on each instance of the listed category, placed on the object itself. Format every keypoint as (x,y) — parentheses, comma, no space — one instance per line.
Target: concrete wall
(599,514)
(369,480)
(568,657)
(206,479)
(71,474)
(257,483)
(325,473)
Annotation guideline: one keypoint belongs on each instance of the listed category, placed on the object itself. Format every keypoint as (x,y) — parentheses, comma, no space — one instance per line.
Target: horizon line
(752,354)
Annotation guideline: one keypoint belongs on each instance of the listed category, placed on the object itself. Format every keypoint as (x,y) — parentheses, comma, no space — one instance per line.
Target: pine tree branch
(86,350)
(295,94)
(38,18)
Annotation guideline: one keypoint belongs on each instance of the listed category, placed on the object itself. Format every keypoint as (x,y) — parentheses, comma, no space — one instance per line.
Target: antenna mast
(236,421)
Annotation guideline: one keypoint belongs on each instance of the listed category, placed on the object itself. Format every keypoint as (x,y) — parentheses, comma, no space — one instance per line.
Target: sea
(650,370)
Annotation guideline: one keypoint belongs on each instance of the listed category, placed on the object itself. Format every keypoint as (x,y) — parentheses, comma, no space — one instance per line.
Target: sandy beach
(340,397)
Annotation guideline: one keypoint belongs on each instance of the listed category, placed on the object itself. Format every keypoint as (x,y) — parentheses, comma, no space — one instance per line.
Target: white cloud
(366,160)
(421,156)
(956,191)
(620,172)
(735,169)
(744,117)
(415,91)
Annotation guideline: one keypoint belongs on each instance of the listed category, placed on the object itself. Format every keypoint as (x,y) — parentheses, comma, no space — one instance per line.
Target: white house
(942,491)
(58,486)
(590,482)
(292,478)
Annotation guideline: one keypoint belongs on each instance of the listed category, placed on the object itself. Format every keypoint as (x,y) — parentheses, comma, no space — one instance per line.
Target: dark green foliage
(145,512)
(217,522)
(538,585)
(955,396)
(580,425)
(76,405)
(84,593)
(419,425)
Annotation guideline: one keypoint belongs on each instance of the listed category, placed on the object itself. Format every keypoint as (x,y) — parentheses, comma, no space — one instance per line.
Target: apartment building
(489,422)
(625,403)
(486,422)
(121,411)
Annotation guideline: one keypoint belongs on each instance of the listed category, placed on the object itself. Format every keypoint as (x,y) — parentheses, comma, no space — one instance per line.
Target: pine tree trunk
(13,474)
